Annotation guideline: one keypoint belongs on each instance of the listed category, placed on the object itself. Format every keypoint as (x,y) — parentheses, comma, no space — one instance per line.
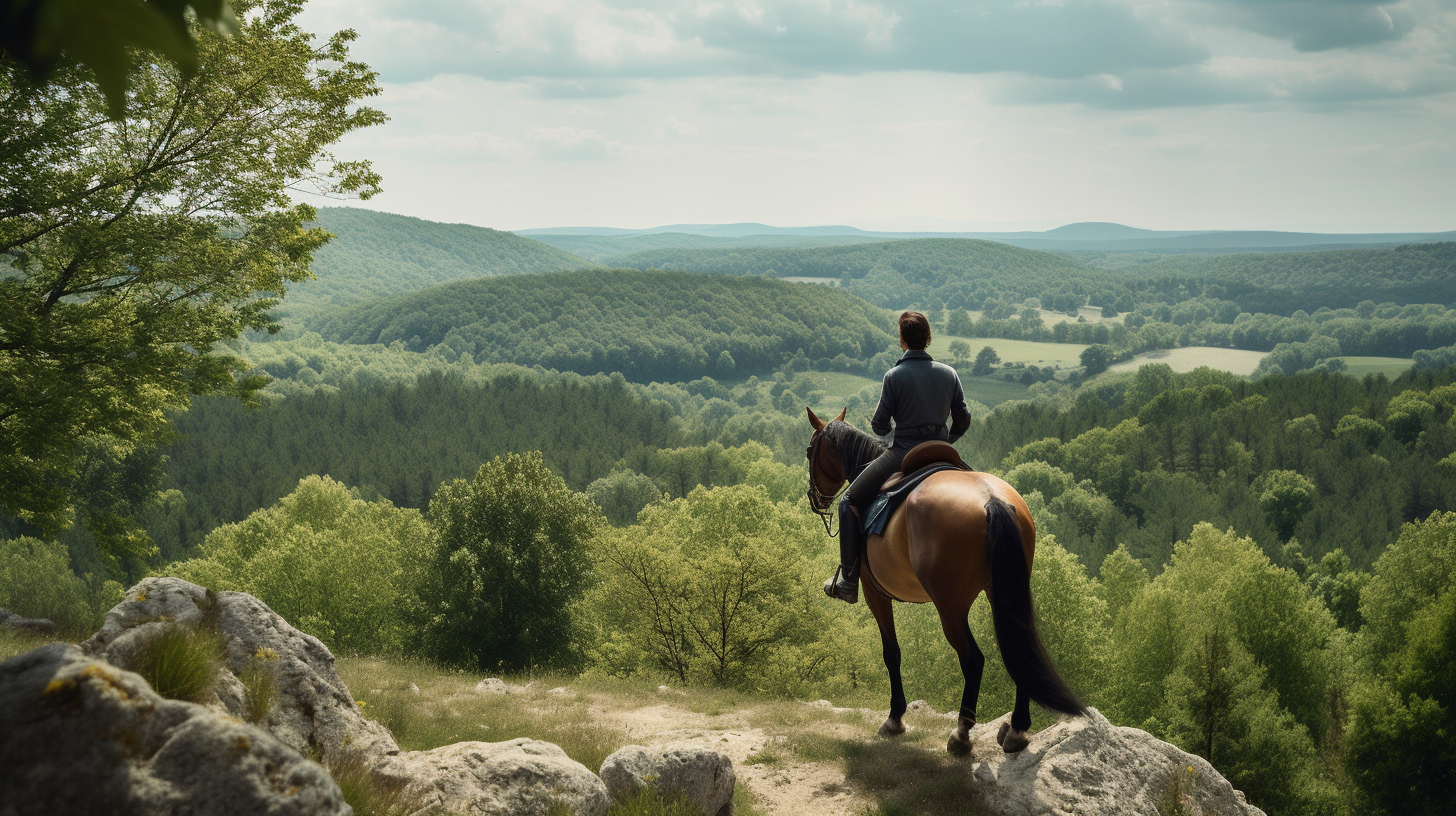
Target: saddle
(922,461)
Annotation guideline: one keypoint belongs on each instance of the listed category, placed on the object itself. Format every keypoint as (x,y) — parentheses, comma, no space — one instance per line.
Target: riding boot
(845,583)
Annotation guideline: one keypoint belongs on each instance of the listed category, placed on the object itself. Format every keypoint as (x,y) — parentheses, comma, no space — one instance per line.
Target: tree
(959,323)
(510,560)
(985,359)
(960,351)
(135,246)
(1285,496)
(1096,358)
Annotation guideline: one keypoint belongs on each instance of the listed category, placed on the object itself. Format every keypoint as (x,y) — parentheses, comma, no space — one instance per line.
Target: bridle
(819,501)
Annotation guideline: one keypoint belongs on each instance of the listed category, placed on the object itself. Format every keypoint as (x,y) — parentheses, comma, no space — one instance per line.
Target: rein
(818,501)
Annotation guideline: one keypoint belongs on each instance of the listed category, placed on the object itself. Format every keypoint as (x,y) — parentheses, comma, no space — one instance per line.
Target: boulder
(703,777)
(81,736)
(39,626)
(1088,765)
(515,778)
(313,712)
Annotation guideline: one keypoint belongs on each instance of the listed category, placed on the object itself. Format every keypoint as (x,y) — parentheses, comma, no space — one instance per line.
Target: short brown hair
(915,330)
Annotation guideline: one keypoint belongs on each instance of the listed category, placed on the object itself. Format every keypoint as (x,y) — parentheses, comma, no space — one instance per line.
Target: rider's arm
(880,422)
(960,415)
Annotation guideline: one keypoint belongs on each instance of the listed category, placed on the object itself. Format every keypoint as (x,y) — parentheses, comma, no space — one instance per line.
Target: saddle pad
(885,504)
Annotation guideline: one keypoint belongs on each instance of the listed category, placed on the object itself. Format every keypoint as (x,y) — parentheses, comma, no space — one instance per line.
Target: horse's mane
(855,447)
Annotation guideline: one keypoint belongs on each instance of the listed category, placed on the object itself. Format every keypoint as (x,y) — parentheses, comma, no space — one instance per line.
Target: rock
(822,704)
(704,777)
(314,710)
(38,626)
(558,690)
(1088,765)
(80,736)
(921,707)
(522,776)
(491,685)
(663,688)
(414,689)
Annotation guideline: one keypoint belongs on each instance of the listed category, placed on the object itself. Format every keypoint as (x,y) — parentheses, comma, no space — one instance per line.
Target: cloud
(1102,53)
(572,144)
(475,146)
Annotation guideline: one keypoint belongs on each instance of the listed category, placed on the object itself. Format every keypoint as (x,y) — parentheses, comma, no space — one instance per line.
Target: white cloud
(572,144)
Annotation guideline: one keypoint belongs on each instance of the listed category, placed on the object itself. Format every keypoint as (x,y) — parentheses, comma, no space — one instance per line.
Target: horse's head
(826,471)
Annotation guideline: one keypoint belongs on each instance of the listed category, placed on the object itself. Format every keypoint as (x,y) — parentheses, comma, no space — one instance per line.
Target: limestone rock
(515,778)
(1088,765)
(39,626)
(80,736)
(314,710)
(491,685)
(703,776)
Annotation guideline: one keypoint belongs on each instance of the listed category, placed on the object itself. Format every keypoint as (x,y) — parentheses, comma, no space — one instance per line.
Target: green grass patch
(260,689)
(991,391)
(1389,366)
(649,802)
(181,663)
(1183,360)
(447,709)
(1066,355)
(14,642)
(907,779)
(368,793)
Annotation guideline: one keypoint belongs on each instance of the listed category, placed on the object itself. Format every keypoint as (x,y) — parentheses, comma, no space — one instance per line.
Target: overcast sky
(1328,115)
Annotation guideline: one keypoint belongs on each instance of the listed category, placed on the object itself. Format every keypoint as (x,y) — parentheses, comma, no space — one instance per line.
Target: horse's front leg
(884,614)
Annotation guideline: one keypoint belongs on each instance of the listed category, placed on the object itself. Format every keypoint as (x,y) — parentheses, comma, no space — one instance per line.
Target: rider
(918,394)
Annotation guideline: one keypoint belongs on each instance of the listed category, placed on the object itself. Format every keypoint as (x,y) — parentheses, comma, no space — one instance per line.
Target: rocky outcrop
(38,626)
(78,735)
(522,776)
(703,777)
(314,711)
(1088,765)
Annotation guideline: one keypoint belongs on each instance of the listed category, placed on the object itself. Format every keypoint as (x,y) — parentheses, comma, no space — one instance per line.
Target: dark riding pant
(860,495)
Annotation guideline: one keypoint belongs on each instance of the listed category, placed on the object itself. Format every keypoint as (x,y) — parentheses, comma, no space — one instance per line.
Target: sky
(1311,115)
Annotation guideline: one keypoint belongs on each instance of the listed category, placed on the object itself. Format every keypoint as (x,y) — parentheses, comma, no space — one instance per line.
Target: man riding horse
(918,395)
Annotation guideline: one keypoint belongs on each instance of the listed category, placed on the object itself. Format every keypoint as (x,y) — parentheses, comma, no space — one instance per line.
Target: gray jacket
(919,394)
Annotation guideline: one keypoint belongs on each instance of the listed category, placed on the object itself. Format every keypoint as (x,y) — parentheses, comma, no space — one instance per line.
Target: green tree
(622,494)
(1285,496)
(1096,358)
(340,568)
(959,323)
(511,559)
(135,246)
(985,359)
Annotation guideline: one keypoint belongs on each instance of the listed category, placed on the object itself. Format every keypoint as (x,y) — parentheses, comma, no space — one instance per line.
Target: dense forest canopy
(647,325)
(375,254)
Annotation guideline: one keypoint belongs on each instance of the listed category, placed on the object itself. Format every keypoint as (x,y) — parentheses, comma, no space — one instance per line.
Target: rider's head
(914,330)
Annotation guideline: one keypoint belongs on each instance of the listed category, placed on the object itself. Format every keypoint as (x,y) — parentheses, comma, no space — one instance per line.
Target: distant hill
(378,254)
(606,249)
(649,325)
(960,273)
(1282,282)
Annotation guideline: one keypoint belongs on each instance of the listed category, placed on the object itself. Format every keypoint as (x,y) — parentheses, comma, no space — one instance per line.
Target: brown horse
(958,533)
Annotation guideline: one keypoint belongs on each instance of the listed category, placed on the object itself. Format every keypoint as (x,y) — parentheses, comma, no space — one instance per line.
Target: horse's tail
(1021,647)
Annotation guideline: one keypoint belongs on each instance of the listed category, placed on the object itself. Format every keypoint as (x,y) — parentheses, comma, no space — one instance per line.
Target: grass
(260,688)
(1389,366)
(1066,355)
(1234,361)
(448,709)
(368,793)
(13,642)
(651,803)
(181,663)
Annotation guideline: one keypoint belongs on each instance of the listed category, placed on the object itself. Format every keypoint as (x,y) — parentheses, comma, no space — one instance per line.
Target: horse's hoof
(892,728)
(1015,741)
(958,746)
(1001,734)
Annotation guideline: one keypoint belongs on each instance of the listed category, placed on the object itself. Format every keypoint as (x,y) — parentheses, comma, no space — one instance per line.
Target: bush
(181,663)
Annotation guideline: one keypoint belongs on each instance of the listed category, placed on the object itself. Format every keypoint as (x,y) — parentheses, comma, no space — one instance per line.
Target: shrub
(36,582)
(260,689)
(368,793)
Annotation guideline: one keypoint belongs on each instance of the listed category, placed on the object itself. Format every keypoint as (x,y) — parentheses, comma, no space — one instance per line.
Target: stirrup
(840,589)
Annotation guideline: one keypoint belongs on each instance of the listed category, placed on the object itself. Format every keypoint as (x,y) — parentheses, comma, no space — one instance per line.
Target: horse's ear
(813,420)
(840,418)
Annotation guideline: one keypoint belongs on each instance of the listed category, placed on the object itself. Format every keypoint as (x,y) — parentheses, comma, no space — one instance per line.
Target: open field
(1389,366)
(991,391)
(1234,361)
(1065,355)
(821,281)
(1092,314)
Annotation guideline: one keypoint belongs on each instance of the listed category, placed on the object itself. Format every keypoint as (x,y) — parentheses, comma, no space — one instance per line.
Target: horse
(958,533)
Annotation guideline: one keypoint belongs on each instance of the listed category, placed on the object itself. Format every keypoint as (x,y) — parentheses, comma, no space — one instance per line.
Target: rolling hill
(376,254)
(648,325)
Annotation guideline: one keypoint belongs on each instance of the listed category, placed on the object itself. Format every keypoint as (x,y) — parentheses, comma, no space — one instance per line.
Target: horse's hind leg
(1012,735)
(884,614)
(957,629)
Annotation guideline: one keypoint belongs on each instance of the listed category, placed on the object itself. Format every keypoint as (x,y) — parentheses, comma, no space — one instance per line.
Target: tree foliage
(134,246)
(511,558)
